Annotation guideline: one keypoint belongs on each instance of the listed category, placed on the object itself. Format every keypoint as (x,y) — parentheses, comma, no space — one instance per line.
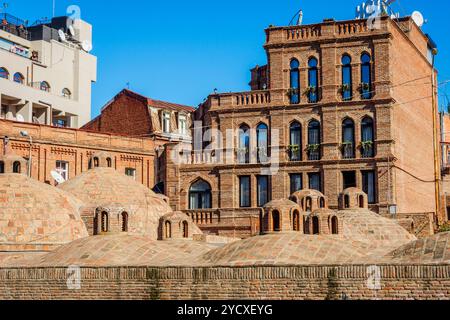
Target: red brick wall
(125,115)
(398,282)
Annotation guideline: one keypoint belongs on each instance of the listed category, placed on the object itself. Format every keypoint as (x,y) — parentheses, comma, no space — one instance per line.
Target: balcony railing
(313,151)
(14,25)
(367,149)
(348,151)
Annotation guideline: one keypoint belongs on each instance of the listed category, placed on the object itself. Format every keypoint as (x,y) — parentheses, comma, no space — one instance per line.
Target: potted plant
(310,90)
(365,87)
(313,147)
(345,87)
(367,145)
(292,91)
(294,148)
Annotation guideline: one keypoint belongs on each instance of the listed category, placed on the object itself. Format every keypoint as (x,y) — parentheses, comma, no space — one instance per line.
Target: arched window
(367,138)
(347,201)
(244,144)
(276,223)
(316,226)
(306,225)
(19,78)
(296,221)
(361,201)
(96,162)
(262,137)
(334,225)
(294,91)
(16,167)
(45,86)
(4,73)
(105,222)
(348,139)
(295,147)
(2,167)
(308,207)
(366,77)
(109,162)
(313,81)
(124,222)
(314,140)
(347,89)
(322,202)
(200,195)
(66,93)
(168,229)
(185,229)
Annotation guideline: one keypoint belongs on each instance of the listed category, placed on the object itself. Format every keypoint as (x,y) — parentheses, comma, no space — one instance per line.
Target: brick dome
(104,187)
(380,233)
(309,200)
(35,216)
(431,250)
(124,250)
(290,248)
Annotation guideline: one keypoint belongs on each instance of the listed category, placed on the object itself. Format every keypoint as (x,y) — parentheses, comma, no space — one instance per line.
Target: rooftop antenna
(299,16)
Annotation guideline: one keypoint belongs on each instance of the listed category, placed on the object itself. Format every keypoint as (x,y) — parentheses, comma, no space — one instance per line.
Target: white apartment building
(46,71)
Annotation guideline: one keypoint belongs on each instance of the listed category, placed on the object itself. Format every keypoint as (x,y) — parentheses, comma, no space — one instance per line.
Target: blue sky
(179,51)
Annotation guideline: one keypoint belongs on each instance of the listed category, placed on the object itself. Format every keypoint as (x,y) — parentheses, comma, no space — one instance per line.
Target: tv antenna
(299,16)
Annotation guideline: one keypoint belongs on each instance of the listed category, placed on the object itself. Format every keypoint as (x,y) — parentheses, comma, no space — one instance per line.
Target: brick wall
(51,144)
(312,283)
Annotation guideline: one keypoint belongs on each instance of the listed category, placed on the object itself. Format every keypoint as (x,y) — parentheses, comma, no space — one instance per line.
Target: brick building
(339,105)
(68,151)
(131,114)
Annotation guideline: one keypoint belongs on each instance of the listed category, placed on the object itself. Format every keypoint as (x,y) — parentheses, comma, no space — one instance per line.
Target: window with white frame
(166,122)
(182,124)
(131,173)
(62,167)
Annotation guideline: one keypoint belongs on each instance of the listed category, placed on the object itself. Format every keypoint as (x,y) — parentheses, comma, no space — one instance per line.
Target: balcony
(313,151)
(348,150)
(241,100)
(367,149)
(14,25)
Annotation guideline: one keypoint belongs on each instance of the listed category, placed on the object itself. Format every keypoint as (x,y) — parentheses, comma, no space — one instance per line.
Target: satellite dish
(62,36)
(418,18)
(71,31)
(86,45)
(20,118)
(57,176)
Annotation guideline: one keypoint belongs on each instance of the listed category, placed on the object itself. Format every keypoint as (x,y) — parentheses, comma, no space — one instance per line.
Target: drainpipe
(437,172)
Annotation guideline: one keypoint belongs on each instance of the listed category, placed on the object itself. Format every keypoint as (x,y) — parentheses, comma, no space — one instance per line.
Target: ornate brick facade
(397,102)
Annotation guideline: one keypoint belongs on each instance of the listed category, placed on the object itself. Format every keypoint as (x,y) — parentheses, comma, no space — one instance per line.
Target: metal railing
(348,151)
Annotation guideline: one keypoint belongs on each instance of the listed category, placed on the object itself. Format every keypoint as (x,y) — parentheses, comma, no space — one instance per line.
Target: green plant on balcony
(312,147)
(345,88)
(294,148)
(364,87)
(444,228)
(367,145)
(292,91)
(310,90)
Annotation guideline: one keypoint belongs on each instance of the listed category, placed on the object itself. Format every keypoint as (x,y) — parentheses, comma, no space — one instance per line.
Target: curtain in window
(200,195)
(313,76)
(296,183)
(263,190)
(295,82)
(366,77)
(244,185)
(262,135)
(346,78)
(296,142)
(369,185)
(244,145)
(314,181)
